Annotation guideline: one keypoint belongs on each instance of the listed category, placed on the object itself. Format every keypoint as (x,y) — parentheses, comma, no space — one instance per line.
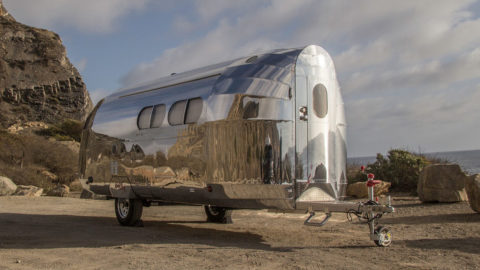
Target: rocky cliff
(37,81)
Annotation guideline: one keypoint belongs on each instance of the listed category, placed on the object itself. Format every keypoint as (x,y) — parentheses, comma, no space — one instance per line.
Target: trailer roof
(259,73)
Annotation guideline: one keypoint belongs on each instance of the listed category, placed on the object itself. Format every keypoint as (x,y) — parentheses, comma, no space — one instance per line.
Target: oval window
(320,100)
(194,110)
(177,113)
(143,120)
(158,115)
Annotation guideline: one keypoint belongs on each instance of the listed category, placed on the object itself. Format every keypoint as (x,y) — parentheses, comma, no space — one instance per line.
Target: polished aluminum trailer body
(265,131)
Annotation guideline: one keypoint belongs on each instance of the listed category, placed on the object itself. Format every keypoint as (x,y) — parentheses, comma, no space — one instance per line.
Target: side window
(194,110)
(157,116)
(177,113)
(320,100)
(143,120)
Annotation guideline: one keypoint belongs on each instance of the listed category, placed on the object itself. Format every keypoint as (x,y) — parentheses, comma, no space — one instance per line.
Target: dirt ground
(69,233)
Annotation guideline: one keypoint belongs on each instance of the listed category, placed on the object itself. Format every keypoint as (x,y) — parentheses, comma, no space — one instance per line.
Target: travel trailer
(262,132)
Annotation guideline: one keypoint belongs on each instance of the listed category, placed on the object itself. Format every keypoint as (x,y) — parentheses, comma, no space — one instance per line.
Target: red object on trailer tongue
(371,182)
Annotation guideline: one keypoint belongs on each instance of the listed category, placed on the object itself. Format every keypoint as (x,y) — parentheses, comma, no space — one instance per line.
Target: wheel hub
(123,208)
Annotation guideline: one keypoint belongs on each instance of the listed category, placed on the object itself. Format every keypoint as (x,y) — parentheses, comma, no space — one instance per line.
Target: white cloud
(87,15)
(408,69)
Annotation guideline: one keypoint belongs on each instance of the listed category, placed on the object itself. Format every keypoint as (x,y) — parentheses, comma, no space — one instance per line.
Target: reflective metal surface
(248,149)
(320,139)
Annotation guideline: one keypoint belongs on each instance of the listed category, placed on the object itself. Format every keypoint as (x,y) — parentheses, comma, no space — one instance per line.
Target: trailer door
(302,171)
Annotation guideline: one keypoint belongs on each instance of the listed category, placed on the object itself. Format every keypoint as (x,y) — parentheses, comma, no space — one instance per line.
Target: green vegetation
(69,130)
(400,167)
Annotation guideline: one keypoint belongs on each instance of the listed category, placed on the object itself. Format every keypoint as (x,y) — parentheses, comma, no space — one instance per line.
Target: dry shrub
(24,157)
(68,130)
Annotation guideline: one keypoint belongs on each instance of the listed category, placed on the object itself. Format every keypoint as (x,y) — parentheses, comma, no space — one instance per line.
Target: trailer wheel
(128,211)
(384,236)
(218,214)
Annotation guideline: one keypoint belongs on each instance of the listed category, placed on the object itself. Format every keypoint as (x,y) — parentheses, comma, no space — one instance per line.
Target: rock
(472,186)
(7,187)
(183,173)
(37,81)
(164,172)
(30,126)
(382,188)
(360,189)
(76,185)
(29,191)
(50,176)
(59,191)
(4,12)
(442,183)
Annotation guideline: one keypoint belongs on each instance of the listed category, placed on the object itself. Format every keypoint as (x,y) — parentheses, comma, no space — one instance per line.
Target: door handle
(303,113)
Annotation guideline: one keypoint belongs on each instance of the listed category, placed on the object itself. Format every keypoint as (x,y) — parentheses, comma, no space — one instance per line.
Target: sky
(409,70)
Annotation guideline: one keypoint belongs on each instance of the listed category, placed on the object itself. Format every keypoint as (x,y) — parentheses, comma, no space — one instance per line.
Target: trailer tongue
(369,212)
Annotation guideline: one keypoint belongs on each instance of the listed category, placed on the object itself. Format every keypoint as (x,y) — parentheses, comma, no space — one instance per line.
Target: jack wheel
(218,214)
(128,211)
(384,236)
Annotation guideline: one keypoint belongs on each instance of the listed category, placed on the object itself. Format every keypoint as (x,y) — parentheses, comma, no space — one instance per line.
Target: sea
(469,161)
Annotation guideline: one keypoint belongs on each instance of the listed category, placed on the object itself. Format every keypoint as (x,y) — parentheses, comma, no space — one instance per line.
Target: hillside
(43,102)
(37,80)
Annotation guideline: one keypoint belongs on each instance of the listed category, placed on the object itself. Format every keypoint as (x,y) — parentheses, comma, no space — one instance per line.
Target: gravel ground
(69,233)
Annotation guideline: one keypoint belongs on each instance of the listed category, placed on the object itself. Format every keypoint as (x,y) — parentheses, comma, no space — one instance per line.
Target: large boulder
(360,189)
(29,191)
(7,187)
(472,186)
(442,183)
(59,191)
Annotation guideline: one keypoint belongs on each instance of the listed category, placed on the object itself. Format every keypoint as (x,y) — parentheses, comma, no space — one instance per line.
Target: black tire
(385,236)
(128,211)
(218,214)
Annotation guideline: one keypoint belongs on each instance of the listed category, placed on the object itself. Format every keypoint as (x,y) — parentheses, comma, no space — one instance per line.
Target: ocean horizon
(468,160)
